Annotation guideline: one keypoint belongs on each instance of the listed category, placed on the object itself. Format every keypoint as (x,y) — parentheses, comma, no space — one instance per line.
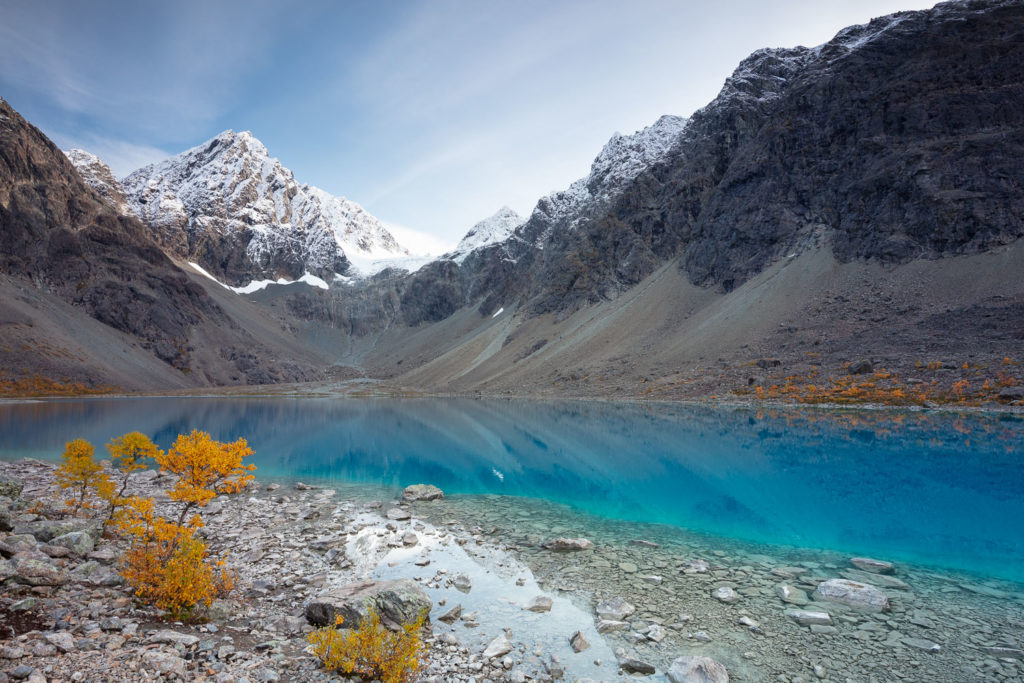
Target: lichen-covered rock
(10,487)
(397,602)
(78,542)
(35,572)
(46,530)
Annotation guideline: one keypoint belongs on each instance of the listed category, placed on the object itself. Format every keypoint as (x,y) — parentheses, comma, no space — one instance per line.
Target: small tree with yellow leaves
(80,472)
(166,565)
(128,453)
(205,468)
(371,651)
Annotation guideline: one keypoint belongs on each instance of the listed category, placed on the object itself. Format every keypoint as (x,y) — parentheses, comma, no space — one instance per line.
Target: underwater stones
(868,564)
(808,617)
(791,595)
(418,492)
(852,594)
(922,644)
(398,514)
(615,609)
(878,580)
(609,625)
(578,642)
(567,545)
(726,594)
(452,615)
(462,583)
(628,567)
(696,567)
(499,647)
(697,670)
(540,603)
(632,665)
(398,602)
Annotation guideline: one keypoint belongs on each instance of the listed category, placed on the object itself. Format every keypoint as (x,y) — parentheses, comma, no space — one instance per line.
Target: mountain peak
(99,177)
(495,228)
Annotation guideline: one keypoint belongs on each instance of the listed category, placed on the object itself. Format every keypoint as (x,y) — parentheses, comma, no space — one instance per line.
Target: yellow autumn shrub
(371,651)
(80,473)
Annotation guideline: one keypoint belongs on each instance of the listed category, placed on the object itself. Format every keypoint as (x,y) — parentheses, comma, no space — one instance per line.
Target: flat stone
(615,609)
(462,583)
(163,663)
(789,572)
(635,666)
(35,572)
(697,670)
(62,640)
(873,566)
(398,514)
(726,594)
(824,630)
(853,594)
(922,644)
(397,602)
(169,637)
(567,545)
(628,567)
(808,617)
(499,647)
(418,492)
(540,603)
(609,625)
(578,642)
(878,580)
(791,595)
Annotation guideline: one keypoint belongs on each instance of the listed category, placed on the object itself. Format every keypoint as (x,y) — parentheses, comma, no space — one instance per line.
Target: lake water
(928,488)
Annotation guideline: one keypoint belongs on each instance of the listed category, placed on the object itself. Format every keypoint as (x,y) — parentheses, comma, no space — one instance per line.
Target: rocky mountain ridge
(237,212)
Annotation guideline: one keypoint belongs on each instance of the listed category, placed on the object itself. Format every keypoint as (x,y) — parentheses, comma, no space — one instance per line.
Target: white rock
(697,670)
(499,647)
(540,603)
(853,594)
(726,595)
(874,566)
(808,617)
(615,609)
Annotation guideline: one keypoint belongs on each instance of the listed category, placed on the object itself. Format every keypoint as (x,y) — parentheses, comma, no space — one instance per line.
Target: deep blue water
(927,487)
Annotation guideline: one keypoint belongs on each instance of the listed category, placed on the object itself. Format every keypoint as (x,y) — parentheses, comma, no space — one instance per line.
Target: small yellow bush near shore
(165,564)
(371,651)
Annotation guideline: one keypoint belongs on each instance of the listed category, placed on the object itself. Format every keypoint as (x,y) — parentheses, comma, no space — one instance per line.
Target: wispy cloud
(122,157)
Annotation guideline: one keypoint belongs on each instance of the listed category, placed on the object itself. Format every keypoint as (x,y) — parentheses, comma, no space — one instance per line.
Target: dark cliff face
(897,140)
(57,234)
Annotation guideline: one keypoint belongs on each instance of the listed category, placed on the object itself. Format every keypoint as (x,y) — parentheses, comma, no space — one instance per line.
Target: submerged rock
(635,666)
(727,595)
(398,514)
(567,545)
(808,617)
(422,492)
(578,642)
(697,670)
(868,564)
(499,647)
(616,609)
(397,602)
(791,595)
(853,594)
(541,603)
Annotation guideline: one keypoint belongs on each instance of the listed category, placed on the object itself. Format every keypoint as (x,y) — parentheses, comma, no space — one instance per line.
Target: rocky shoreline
(515,595)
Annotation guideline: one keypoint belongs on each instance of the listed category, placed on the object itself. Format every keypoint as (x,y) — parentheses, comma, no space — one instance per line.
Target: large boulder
(78,542)
(853,594)
(48,529)
(422,492)
(697,670)
(35,572)
(10,486)
(397,602)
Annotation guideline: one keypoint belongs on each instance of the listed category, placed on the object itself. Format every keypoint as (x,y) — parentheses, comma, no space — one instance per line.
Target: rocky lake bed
(518,589)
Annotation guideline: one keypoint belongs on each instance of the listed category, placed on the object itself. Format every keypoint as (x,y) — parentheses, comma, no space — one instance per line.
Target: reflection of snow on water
(499,475)
(501,588)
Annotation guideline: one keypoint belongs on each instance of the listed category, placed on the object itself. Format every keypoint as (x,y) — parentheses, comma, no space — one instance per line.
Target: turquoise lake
(930,488)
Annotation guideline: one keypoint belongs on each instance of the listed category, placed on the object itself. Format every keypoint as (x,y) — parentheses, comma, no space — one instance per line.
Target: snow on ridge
(232,187)
(257,285)
(99,177)
(491,230)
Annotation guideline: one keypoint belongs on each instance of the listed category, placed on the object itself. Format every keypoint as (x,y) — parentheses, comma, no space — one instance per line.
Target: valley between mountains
(842,223)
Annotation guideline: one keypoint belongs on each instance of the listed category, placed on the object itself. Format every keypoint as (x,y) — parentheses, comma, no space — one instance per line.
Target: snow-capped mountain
(99,177)
(230,207)
(619,162)
(496,228)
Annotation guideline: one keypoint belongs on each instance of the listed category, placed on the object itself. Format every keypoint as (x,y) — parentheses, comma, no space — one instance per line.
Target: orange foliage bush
(80,472)
(205,468)
(371,651)
(128,453)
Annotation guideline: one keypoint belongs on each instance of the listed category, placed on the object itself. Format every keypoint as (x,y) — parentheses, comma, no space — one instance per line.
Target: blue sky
(430,114)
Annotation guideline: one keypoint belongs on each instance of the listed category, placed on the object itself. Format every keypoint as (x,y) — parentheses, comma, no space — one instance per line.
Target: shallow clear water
(930,488)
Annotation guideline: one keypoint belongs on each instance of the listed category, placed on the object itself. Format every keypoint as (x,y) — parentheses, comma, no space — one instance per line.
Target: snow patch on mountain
(491,230)
(229,206)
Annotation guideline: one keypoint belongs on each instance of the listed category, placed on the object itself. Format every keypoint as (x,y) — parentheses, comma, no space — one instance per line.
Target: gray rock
(462,583)
(632,665)
(499,647)
(860,367)
(167,636)
(697,670)
(877,580)
(615,609)
(6,523)
(609,625)
(10,487)
(418,492)
(78,542)
(554,667)
(540,603)
(62,640)
(922,644)
(567,545)
(853,594)
(791,595)
(868,564)
(397,602)
(35,572)
(726,594)
(46,530)
(163,663)
(1010,394)
(808,617)
(398,514)
(452,615)
(578,642)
